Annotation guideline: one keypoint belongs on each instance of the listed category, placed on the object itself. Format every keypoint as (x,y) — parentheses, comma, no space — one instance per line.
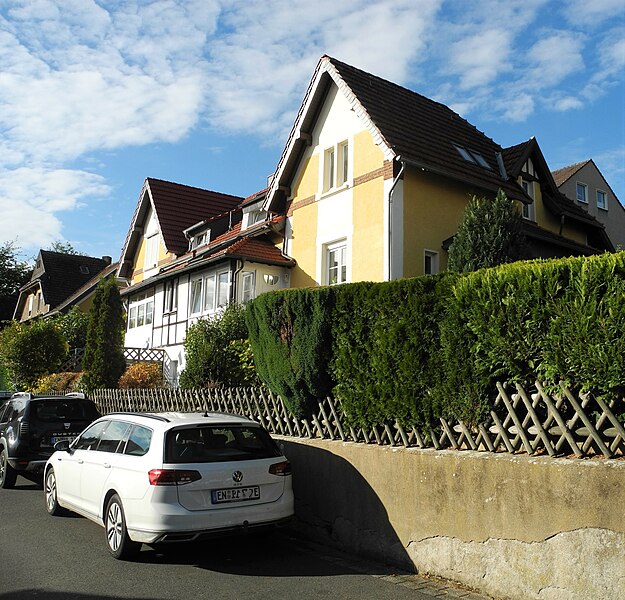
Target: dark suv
(30,426)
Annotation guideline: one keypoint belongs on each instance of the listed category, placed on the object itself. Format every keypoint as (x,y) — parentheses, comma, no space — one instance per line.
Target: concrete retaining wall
(511,526)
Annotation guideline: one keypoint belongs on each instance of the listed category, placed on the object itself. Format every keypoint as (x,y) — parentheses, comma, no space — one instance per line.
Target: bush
(290,335)
(385,342)
(419,349)
(142,375)
(59,382)
(216,351)
(73,325)
(29,351)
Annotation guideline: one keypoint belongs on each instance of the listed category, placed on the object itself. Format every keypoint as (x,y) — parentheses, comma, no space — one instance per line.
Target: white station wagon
(169,477)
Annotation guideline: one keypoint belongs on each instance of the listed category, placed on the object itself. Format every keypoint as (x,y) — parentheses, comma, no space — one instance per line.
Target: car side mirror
(62,446)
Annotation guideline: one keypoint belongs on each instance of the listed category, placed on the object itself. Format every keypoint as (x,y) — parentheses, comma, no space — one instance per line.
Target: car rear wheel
(8,474)
(52,504)
(119,543)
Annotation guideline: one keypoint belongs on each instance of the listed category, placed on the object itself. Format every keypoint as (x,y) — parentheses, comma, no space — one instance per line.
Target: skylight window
(472,156)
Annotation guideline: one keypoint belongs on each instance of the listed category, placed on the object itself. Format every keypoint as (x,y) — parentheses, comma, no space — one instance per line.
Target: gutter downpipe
(390,216)
(233,293)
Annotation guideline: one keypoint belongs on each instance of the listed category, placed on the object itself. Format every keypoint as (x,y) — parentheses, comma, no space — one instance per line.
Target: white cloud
(481,57)
(592,13)
(31,197)
(567,103)
(517,108)
(555,57)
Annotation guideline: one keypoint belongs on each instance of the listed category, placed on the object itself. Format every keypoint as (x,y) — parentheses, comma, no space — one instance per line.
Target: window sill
(334,191)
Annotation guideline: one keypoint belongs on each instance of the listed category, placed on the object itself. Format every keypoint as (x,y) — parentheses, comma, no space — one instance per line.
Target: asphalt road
(65,558)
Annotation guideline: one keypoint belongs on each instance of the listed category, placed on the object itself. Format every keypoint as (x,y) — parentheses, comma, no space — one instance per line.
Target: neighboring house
(60,281)
(584,184)
(188,253)
(374,180)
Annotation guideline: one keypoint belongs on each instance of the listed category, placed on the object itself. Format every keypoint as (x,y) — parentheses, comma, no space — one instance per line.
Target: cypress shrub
(385,350)
(290,334)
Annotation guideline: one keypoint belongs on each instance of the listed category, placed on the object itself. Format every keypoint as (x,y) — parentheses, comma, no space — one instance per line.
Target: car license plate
(61,438)
(235,494)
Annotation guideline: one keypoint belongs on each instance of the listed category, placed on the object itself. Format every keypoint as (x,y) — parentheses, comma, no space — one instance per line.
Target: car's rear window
(218,444)
(53,411)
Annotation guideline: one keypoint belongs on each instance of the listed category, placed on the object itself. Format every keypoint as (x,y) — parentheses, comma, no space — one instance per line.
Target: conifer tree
(104,361)
(489,234)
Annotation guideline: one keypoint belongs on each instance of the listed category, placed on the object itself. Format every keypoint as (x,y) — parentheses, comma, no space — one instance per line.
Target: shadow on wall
(326,485)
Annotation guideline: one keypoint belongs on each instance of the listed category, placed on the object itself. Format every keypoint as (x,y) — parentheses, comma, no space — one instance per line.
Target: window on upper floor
(141,310)
(209,292)
(336,262)
(170,301)
(528,209)
(472,156)
(602,200)
(248,280)
(335,166)
(582,193)
(200,239)
(151,251)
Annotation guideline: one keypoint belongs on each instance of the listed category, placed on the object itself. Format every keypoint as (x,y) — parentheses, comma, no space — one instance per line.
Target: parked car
(170,477)
(30,425)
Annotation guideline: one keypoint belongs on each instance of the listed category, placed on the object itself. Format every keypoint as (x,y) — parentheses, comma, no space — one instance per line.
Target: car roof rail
(80,395)
(27,395)
(140,414)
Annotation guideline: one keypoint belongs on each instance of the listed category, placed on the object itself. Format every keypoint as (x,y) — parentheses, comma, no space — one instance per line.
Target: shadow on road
(40,593)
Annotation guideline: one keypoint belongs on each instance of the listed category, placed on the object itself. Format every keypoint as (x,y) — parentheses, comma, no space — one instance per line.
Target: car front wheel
(52,504)
(8,474)
(119,543)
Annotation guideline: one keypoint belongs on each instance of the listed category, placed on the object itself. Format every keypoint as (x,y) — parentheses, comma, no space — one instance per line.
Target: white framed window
(195,303)
(170,303)
(335,166)
(430,262)
(248,284)
(582,192)
(602,200)
(209,293)
(201,239)
(223,288)
(141,310)
(151,251)
(528,209)
(336,263)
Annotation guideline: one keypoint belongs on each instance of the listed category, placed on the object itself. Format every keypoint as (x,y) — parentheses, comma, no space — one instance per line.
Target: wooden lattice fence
(532,422)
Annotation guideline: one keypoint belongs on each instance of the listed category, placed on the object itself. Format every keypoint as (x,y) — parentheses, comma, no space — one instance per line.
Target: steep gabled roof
(177,208)
(562,175)
(404,124)
(59,275)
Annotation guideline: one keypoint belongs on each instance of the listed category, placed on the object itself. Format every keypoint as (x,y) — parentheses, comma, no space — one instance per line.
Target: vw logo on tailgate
(237,476)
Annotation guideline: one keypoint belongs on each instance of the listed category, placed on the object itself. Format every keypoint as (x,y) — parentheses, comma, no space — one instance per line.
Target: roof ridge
(334,61)
(192,187)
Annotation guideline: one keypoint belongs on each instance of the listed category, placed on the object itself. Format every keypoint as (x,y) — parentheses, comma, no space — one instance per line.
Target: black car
(30,425)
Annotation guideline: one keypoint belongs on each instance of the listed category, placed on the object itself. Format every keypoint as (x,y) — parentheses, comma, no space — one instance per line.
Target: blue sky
(95,96)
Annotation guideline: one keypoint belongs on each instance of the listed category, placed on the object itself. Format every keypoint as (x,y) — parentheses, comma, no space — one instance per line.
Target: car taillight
(172,477)
(282,468)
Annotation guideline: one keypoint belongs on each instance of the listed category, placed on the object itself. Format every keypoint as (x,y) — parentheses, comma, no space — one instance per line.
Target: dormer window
(200,239)
(84,269)
(252,214)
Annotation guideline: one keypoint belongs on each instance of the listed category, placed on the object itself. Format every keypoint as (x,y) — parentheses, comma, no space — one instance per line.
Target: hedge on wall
(385,342)
(290,333)
(418,349)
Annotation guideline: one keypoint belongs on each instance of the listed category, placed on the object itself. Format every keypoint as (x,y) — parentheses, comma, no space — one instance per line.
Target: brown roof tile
(562,175)
(181,206)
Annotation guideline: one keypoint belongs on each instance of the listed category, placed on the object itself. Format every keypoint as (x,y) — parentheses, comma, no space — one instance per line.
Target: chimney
(107,259)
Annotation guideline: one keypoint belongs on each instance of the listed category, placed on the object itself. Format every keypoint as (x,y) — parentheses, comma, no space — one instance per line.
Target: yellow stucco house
(374,179)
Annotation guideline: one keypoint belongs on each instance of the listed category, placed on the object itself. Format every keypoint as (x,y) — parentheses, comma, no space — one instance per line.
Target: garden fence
(532,421)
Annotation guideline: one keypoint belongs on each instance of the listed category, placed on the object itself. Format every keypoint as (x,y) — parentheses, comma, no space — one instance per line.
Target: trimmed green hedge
(417,349)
